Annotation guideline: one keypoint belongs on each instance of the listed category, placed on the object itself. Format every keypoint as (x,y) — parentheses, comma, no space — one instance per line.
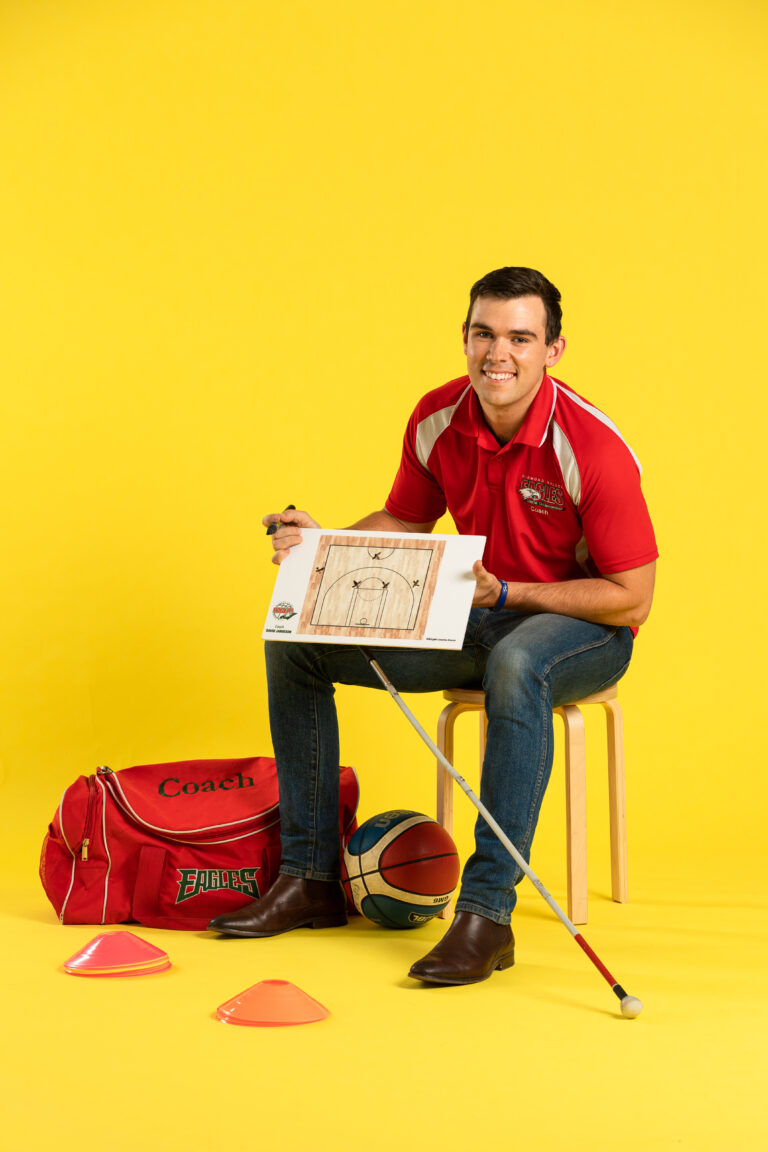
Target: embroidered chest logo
(541,495)
(193,881)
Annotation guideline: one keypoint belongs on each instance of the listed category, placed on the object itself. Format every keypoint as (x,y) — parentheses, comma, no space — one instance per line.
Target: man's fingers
(281,517)
(486,592)
(484,579)
(293,516)
(286,537)
(285,530)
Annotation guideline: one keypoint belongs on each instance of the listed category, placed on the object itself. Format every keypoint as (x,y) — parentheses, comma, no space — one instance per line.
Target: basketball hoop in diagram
(373,598)
(381,587)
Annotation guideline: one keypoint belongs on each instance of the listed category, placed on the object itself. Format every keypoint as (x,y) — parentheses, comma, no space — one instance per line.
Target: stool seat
(473,700)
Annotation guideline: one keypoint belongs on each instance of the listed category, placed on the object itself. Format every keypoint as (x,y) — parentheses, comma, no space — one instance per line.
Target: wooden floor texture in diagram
(371,586)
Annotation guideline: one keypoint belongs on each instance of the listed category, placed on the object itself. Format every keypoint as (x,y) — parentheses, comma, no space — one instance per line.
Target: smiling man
(564,583)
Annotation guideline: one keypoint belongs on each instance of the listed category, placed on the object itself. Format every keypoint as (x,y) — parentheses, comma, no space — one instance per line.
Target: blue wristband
(502,596)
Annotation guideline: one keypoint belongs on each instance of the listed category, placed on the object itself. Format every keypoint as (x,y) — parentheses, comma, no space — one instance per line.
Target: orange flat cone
(141,970)
(270,1004)
(117,954)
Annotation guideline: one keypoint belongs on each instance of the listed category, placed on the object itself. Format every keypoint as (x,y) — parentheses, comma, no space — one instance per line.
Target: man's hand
(288,534)
(487,587)
(615,599)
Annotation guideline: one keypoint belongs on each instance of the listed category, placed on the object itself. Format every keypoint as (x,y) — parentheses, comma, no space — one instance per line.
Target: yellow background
(237,241)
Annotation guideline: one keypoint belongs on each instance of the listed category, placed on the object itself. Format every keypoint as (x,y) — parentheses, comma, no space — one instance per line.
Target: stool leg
(575,812)
(444,779)
(617,801)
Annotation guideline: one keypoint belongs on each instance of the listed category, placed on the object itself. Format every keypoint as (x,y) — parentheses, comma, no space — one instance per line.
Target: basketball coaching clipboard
(403,589)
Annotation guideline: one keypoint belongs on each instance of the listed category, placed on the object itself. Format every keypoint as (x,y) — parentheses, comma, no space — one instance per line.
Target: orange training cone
(117,954)
(270,1004)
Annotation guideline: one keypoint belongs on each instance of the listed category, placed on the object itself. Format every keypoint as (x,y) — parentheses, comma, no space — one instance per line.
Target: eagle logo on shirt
(542,494)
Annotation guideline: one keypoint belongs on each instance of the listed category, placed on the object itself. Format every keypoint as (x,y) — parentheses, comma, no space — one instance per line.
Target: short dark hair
(509,283)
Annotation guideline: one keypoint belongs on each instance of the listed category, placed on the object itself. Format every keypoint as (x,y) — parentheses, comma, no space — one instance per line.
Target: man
(566,579)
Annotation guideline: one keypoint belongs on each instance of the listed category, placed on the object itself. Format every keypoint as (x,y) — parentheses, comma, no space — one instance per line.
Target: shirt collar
(468,418)
(533,430)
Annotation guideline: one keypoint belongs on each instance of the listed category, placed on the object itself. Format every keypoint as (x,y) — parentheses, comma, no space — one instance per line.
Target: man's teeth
(499,375)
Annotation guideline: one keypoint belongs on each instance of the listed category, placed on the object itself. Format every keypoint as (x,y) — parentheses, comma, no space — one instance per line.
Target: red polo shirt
(560,501)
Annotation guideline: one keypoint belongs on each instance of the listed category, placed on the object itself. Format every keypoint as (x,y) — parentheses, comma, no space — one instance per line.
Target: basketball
(400,869)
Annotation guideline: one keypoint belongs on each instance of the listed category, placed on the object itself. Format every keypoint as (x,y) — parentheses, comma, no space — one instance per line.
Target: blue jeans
(527,665)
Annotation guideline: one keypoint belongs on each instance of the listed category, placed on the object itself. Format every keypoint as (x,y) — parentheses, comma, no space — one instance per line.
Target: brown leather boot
(472,948)
(290,903)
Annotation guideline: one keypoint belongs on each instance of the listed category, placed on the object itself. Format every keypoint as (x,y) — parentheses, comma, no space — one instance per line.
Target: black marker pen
(272,528)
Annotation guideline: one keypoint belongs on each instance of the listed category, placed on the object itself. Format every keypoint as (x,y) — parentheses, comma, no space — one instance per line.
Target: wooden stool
(468,700)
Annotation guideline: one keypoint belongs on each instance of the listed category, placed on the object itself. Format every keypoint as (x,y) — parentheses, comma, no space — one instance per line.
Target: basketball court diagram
(376,587)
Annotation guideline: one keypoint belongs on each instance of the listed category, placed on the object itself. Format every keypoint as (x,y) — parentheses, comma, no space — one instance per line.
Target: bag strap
(144,906)
(148,878)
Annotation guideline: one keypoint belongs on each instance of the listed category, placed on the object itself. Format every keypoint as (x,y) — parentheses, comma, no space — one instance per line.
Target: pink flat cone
(119,953)
(271,1004)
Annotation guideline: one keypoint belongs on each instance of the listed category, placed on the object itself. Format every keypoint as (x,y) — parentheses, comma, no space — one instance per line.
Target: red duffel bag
(169,845)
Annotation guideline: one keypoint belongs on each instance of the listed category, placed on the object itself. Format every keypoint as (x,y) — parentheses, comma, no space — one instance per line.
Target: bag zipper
(89,814)
(102,770)
(263,820)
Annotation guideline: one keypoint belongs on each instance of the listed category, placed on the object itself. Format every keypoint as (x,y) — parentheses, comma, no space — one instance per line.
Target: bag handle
(144,906)
(148,877)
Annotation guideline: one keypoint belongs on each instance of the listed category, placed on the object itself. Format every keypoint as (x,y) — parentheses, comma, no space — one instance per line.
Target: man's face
(507,355)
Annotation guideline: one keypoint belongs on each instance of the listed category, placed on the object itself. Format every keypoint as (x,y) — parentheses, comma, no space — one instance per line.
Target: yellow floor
(538,1057)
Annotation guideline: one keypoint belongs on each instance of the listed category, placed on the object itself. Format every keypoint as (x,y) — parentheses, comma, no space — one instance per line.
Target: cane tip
(631,1007)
